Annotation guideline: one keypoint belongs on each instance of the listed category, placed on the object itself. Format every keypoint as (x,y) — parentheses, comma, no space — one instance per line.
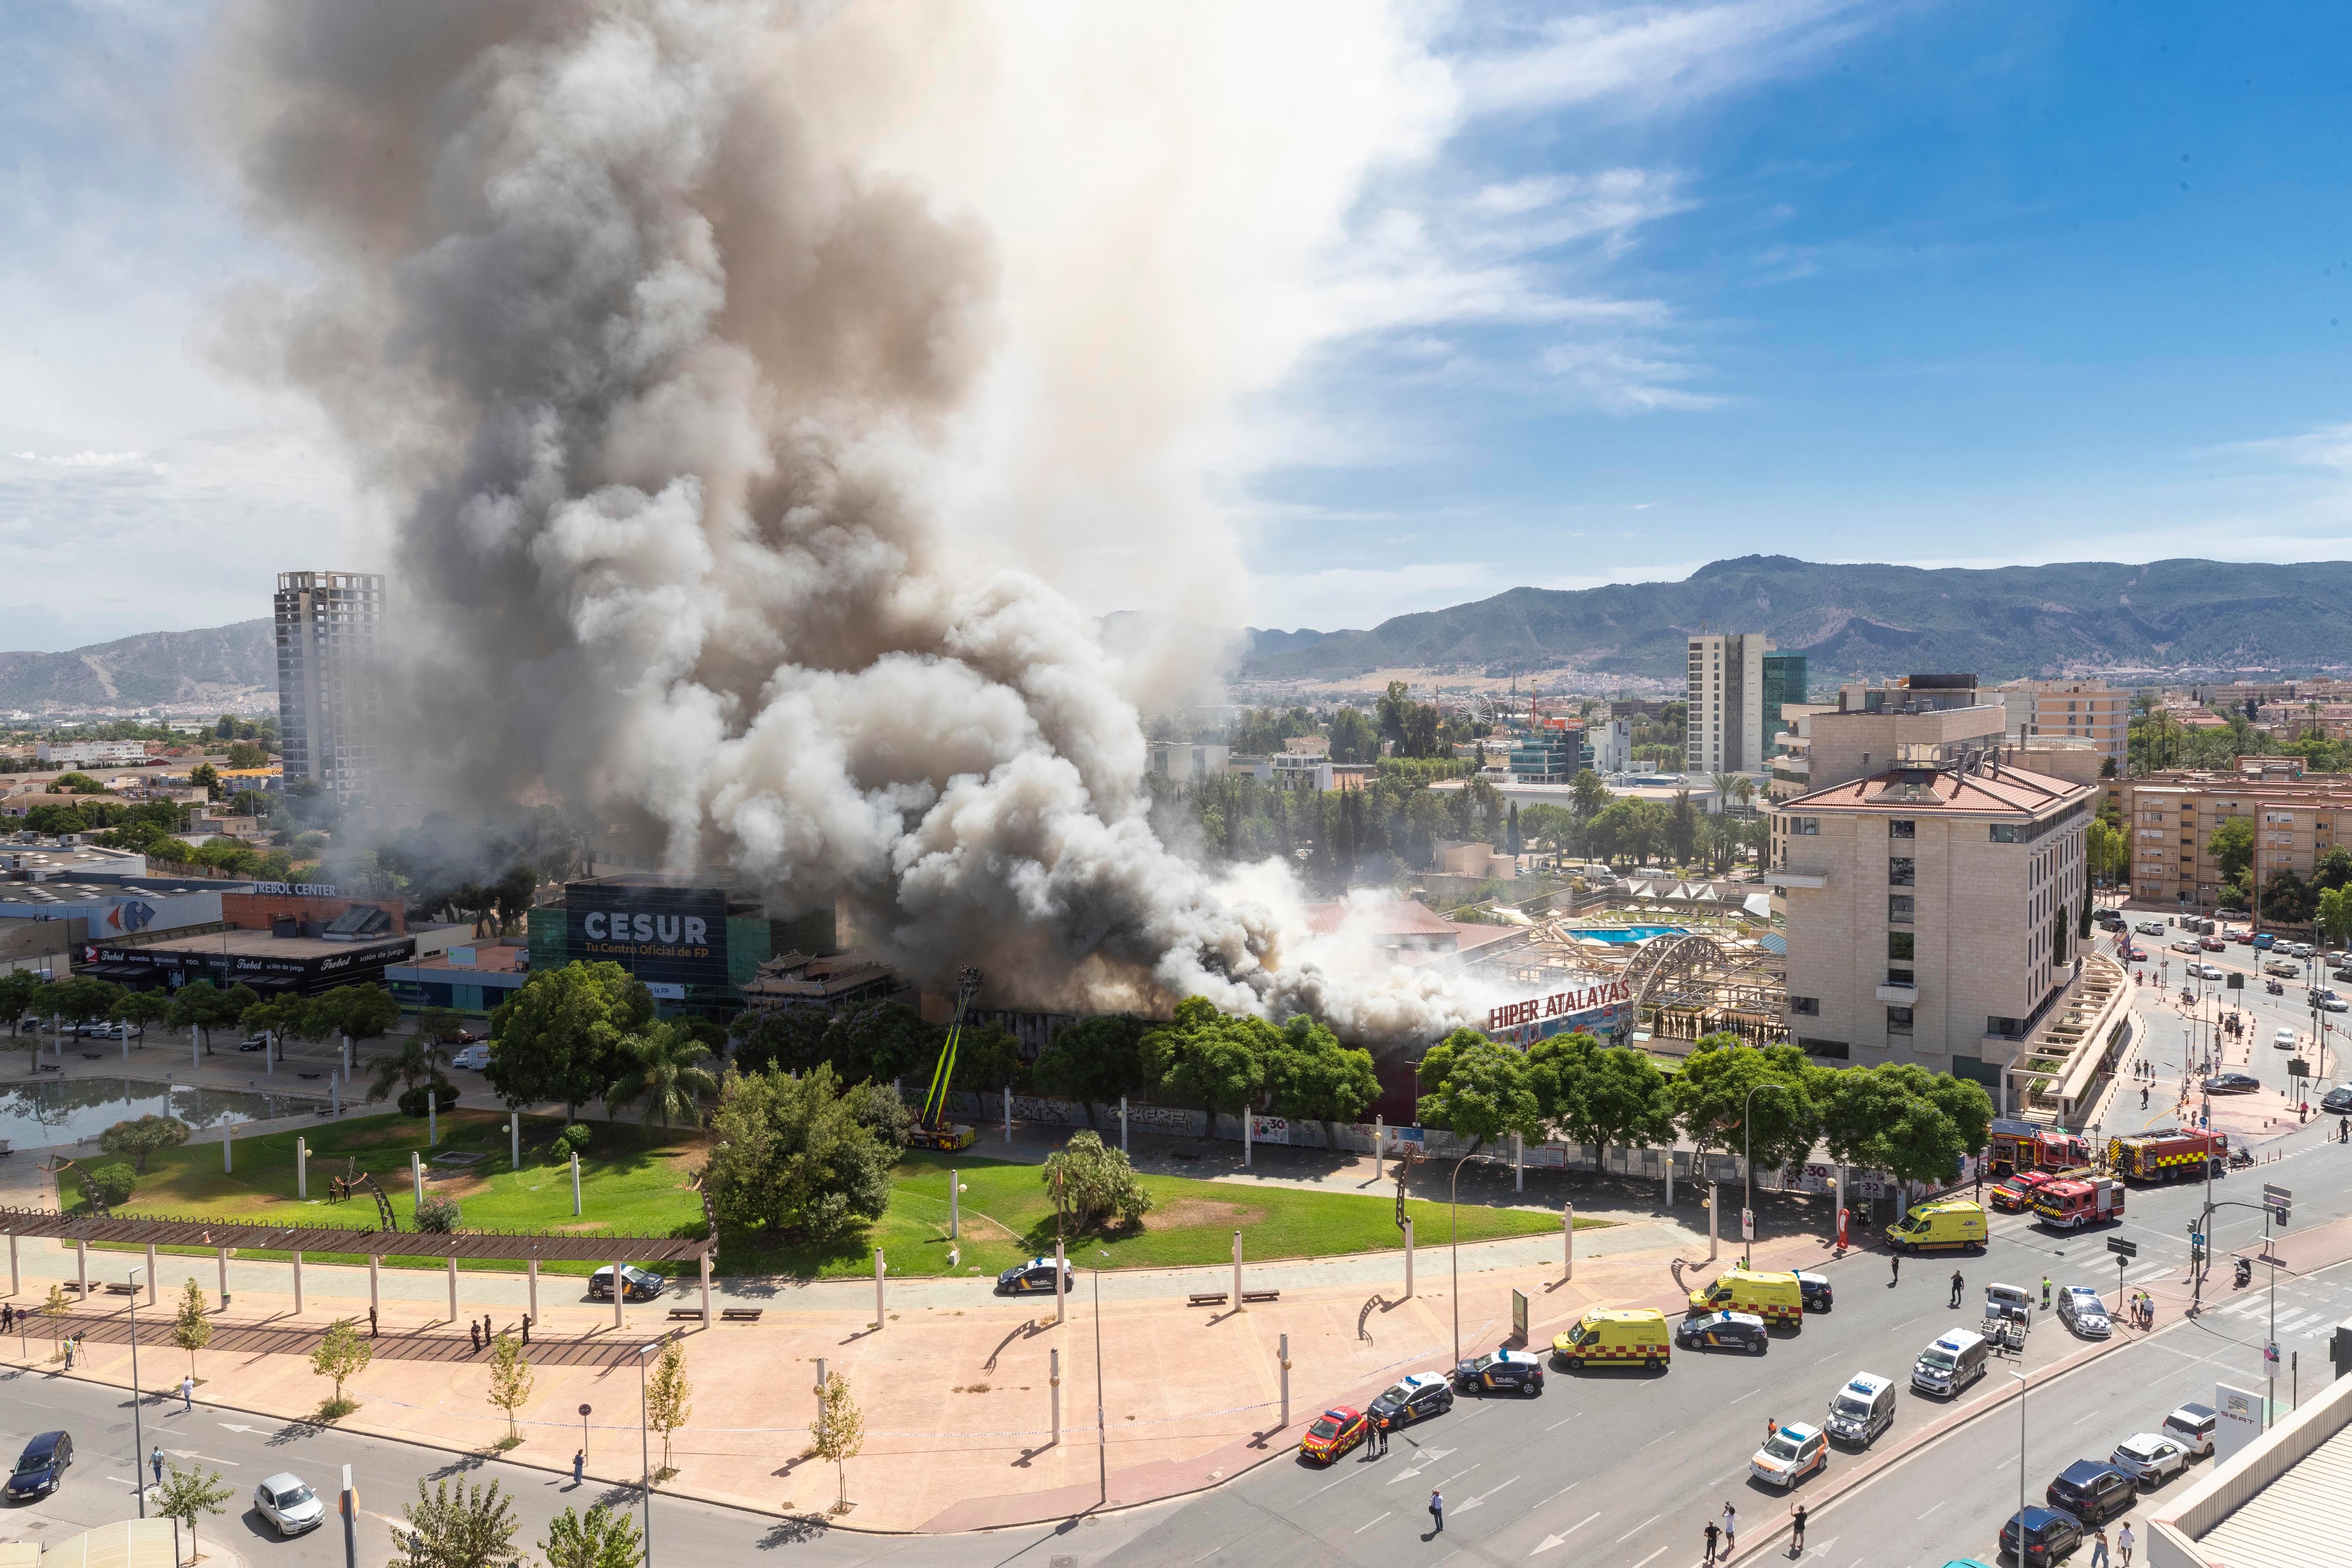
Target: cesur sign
(1560,1004)
(620,926)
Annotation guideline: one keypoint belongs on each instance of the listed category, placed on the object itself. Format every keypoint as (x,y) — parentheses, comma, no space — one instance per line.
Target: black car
(640,1284)
(2232,1083)
(2337,1101)
(1742,1331)
(2049,1535)
(41,1467)
(2092,1491)
(1414,1397)
(1035,1276)
(1499,1370)
(1814,1290)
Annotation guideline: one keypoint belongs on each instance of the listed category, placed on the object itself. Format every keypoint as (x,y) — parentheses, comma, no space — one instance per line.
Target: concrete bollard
(228,1152)
(817,1425)
(514,1139)
(1060,1305)
(1284,1356)
(1237,1271)
(298,1284)
(1568,1242)
(301,1167)
(576,1183)
(416,1176)
(1053,1380)
(955,1213)
(1408,1260)
(881,1303)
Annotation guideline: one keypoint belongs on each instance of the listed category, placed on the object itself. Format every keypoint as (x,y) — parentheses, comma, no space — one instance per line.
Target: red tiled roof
(1915,790)
(1396,916)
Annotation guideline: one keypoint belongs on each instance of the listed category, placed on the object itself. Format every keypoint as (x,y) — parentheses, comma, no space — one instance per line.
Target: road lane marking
(1653,1557)
(1212,1552)
(1641,1527)
(1558,1425)
(1361,1528)
(1562,1493)
(2091,1417)
(1932,1509)
(1749,1395)
(1549,1542)
(1480,1499)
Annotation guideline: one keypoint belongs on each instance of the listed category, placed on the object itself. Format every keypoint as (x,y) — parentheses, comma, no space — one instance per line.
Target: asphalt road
(1615,1468)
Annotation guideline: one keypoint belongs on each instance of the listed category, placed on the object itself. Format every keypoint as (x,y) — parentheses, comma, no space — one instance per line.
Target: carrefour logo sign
(616,925)
(133,916)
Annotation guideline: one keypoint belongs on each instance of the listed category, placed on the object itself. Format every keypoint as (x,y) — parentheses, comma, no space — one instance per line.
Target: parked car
(1814,1289)
(2080,1310)
(290,1504)
(1035,1276)
(2212,943)
(2232,1083)
(2185,944)
(2329,1002)
(252,1043)
(1789,1455)
(2148,1460)
(473,1058)
(1416,1396)
(2204,972)
(1334,1432)
(2284,968)
(1863,1409)
(2336,1101)
(41,1468)
(1517,1372)
(1723,1331)
(640,1284)
(2092,1491)
(2149,928)
(2192,1426)
(2047,1535)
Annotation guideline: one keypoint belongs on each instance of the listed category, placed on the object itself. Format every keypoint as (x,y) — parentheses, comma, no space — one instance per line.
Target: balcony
(1899,995)
(1787,877)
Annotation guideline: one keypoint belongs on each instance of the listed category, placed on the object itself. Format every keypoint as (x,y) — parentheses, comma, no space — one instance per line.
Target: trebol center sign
(1596,1007)
(673,938)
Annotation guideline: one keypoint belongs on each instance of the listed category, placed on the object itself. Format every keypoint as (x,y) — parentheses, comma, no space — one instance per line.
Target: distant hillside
(1884,620)
(216,663)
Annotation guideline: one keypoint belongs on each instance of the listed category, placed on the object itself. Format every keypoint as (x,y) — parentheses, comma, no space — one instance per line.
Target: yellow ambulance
(1775,1298)
(1616,1336)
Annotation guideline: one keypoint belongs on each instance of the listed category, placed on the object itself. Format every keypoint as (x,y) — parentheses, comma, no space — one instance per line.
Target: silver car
(2080,1308)
(288,1502)
(2148,1458)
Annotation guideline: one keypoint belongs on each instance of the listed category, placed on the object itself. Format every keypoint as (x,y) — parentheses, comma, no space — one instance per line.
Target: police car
(1519,1372)
(1723,1331)
(1036,1275)
(1416,1396)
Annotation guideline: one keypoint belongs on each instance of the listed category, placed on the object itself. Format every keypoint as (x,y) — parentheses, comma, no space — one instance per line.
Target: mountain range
(2066,618)
(213,664)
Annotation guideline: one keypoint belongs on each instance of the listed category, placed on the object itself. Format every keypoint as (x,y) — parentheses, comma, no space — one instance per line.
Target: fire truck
(2029,1146)
(2020,1190)
(2169,1155)
(2071,1204)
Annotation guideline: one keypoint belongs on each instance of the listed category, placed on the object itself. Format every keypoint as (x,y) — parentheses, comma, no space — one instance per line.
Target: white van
(1951,1363)
(1861,1410)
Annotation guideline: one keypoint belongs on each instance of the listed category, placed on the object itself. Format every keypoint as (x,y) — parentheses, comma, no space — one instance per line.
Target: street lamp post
(2021,1464)
(645,1440)
(1453,1205)
(138,1433)
(1747,1176)
(1102,1418)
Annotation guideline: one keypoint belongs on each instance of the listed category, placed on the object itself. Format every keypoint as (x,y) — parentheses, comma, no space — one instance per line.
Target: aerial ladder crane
(932,1129)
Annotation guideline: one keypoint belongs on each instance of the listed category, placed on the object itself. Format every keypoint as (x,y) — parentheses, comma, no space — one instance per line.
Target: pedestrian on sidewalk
(2124,1544)
(1959,1285)
(371,1322)
(1730,1522)
(526,1331)
(1436,1511)
(8,1316)
(2099,1548)
(1796,1535)
(188,1394)
(1713,1531)
(474,1332)
(69,1353)
(579,1463)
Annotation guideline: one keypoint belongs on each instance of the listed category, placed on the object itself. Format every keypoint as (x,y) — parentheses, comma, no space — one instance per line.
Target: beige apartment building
(2170,818)
(2073,710)
(1931,911)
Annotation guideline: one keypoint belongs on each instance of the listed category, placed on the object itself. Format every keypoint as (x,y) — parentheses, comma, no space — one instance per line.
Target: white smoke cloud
(721,357)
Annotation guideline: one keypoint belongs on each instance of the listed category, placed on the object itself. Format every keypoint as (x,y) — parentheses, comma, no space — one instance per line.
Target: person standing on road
(2045,1292)
(188,1394)
(1380,1438)
(155,1463)
(1797,1534)
(579,1463)
(2099,1548)
(2124,1544)
(1894,1267)
(1959,1285)
(1436,1511)
(1714,1532)
(1730,1521)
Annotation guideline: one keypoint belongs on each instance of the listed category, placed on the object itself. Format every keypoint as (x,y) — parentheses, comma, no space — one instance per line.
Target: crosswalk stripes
(2149,1270)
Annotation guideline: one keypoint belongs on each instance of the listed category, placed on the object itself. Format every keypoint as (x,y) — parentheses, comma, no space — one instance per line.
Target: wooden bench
(1206,1299)
(125,1290)
(693,1312)
(1261,1295)
(741,1314)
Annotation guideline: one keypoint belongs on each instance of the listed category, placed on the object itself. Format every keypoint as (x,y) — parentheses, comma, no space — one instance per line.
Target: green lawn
(636,1180)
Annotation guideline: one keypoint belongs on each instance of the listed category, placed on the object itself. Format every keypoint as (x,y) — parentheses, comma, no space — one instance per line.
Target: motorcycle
(2239,1159)
(2274,987)
(2244,1273)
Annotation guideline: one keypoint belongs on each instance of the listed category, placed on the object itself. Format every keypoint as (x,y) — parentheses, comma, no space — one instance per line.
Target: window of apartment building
(1805,1006)
(2008,833)
(1898,909)
(1898,1020)
(1833,1050)
(1902,872)
(1805,826)
(1902,828)
(1899,944)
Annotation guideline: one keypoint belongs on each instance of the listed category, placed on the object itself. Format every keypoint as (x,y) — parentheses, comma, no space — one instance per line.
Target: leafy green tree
(2287,899)
(192,1330)
(1353,738)
(77,783)
(472,1527)
(670,1398)
(83,998)
(1094,1185)
(2334,870)
(440,1025)
(56,820)
(1212,1058)
(2231,845)
(2334,913)
(187,1495)
(791,1038)
(661,1068)
(1094,1062)
(882,1041)
(548,1041)
(601,1539)
(841,1433)
(510,1379)
(23,993)
(356,1013)
(1478,1088)
(1710,1096)
(988,1060)
(1601,1095)
(137,1009)
(143,1136)
(114,1183)
(416,1066)
(1587,797)
(340,1354)
(1311,1077)
(802,1156)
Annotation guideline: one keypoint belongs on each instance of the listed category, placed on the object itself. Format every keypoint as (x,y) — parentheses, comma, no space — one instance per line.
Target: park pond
(66,1111)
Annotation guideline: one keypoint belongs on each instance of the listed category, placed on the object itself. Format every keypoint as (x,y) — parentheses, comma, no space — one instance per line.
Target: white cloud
(1654,57)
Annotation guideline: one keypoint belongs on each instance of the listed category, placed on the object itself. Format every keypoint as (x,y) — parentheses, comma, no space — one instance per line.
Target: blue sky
(1962,284)
(1945,283)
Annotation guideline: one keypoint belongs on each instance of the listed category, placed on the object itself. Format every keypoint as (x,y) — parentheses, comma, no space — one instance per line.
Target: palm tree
(661,1067)
(418,1062)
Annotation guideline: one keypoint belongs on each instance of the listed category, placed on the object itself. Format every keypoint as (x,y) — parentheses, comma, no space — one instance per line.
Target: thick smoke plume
(667,369)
